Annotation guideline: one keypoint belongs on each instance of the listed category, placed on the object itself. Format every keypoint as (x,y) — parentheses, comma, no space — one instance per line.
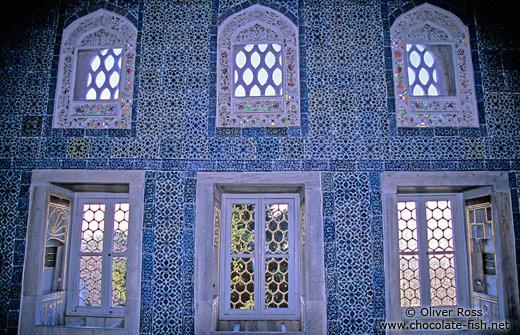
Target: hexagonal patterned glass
(407,227)
(440,250)
(242,268)
(440,232)
(92,229)
(409,283)
(242,283)
(276,243)
(102,254)
(426,250)
(121,217)
(276,228)
(120,246)
(90,275)
(409,254)
(276,282)
(118,281)
(243,229)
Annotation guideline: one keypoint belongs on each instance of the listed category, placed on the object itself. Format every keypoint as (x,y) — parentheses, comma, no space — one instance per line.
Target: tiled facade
(348,132)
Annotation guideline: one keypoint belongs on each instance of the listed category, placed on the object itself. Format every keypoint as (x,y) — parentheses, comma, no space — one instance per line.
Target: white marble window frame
(45,181)
(261,111)
(428,24)
(312,282)
(394,184)
(101,29)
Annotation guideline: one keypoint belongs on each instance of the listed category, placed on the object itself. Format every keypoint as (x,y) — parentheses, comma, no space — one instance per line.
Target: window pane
(409,280)
(276,282)
(118,281)
(121,217)
(430,70)
(98,74)
(442,280)
(243,229)
(407,226)
(258,70)
(277,228)
(438,219)
(92,228)
(242,283)
(90,281)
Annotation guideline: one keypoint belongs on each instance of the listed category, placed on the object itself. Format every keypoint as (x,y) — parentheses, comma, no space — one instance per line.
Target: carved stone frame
(279,111)
(432,25)
(100,29)
(44,182)
(395,182)
(207,227)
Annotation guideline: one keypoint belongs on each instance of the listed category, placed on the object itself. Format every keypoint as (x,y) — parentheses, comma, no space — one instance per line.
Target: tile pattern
(168,252)
(348,133)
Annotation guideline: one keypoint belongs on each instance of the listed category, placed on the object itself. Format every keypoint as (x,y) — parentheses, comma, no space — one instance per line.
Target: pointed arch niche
(95,82)
(258,70)
(432,70)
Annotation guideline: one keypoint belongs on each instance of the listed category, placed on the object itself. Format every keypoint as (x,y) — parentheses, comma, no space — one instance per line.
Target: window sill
(93,321)
(76,330)
(256,333)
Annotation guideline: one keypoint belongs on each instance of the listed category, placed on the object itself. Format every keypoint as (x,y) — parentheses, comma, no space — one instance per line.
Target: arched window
(258,70)
(96,73)
(433,73)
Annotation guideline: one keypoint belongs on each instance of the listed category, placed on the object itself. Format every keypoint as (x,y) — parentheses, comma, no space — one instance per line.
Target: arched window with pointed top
(258,70)
(96,73)
(433,72)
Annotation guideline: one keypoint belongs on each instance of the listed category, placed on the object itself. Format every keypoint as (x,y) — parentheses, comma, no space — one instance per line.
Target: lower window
(84,264)
(99,255)
(260,256)
(432,251)
(446,255)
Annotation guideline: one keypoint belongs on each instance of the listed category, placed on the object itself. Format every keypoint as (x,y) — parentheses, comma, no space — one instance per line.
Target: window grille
(99,256)
(426,251)
(430,70)
(98,74)
(260,256)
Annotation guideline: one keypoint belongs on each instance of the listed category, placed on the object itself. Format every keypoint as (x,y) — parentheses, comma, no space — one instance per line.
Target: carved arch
(435,26)
(254,24)
(100,29)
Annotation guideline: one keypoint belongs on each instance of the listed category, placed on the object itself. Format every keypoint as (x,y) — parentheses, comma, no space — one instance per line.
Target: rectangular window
(442,247)
(430,70)
(258,70)
(260,256)
(431,237)
(99,255)
(98,73)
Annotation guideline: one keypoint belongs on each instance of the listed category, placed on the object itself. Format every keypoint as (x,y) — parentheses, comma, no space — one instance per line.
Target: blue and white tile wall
(348,133)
